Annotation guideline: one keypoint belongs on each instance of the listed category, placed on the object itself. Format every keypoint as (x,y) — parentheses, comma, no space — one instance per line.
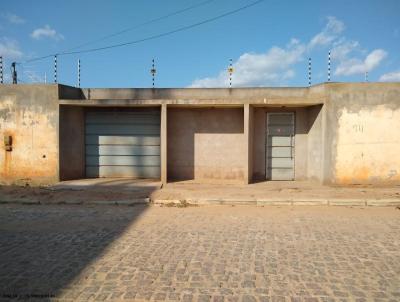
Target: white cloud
(7,77)
(331,31)
(32,76)
(252,69)
(9,49)
(343,48)
(390,77)
(347,54)
(46,32)
(275,66)
(356,66)
(12,18)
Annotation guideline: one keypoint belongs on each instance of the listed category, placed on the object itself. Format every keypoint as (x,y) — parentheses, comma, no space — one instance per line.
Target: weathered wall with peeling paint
(348,132)
(29,114)
(362,129)
(368,145)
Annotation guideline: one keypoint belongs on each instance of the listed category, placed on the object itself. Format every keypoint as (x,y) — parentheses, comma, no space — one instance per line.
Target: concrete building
(336,133)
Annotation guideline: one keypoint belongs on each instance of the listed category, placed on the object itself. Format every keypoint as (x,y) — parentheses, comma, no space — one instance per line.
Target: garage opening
(205,145)
(287,143)
(122,142)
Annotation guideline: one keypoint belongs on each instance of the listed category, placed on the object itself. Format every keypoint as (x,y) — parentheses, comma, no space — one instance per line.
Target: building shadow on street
(44,248)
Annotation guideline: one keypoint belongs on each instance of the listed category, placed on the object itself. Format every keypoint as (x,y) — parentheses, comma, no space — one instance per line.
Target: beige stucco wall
(361,133)
(352,138)
(368,145)
(315,142)
(29,115)
(206,144)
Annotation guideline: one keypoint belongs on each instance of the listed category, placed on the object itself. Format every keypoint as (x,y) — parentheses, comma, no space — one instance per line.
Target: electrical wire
(168,33)
(143,24)
(124,30)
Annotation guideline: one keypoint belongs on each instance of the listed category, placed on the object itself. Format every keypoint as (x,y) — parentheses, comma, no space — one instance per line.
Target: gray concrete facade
(72,142)
(344,133)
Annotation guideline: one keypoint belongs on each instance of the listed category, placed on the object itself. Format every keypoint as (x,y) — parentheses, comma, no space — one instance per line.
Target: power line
(142,24)
(168,33)
(123,31)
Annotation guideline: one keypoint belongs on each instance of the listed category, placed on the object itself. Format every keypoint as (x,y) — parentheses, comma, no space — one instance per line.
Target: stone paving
(212,253)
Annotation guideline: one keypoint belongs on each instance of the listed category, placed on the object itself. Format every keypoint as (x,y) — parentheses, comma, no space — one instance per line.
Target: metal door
(280,146)
(123,143)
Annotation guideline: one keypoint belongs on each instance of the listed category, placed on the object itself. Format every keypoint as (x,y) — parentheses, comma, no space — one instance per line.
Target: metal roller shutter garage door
(122,143)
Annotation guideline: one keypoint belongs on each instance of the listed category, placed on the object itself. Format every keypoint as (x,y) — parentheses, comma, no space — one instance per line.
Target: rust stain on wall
(7,163)
(368,146)
(352,175)
(34,155)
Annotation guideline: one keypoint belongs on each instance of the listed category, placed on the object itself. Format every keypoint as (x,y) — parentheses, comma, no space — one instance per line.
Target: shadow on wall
(109,142)
(45,248)
(205,143)
(308,141)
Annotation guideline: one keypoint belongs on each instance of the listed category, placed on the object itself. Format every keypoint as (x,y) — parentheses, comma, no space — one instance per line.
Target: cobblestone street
(212,253)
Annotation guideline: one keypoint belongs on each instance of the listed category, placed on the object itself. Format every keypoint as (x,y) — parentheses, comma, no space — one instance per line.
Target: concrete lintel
(285,101)
(196,93)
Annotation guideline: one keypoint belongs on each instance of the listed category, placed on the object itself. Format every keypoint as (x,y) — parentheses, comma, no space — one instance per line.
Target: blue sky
(269,43)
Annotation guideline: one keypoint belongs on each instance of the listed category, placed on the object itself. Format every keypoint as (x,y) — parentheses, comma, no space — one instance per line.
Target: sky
(269,43)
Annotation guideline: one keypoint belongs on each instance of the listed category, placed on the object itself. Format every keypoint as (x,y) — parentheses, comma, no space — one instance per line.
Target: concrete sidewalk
(276,193)
(127,191)
(119,191)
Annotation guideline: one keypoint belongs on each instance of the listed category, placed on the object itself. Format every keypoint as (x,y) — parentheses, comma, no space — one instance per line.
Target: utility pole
(55,69)
(1,70)
(329,66)
(153,71)
(366,76)
(79,73)
(14,73)
(230,71)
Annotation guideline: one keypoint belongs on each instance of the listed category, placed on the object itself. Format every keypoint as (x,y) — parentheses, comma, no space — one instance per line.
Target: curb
(80,202)
(347,202)
(217,201)
(385,202)
(282,202)
(120,202)
(20,201)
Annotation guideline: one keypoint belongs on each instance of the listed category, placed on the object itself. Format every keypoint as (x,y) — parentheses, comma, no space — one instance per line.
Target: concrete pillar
(163,143)
(248,140)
